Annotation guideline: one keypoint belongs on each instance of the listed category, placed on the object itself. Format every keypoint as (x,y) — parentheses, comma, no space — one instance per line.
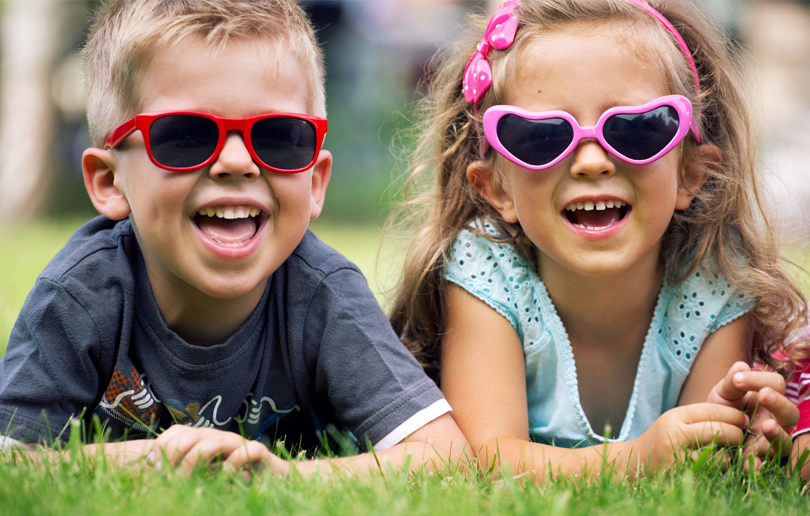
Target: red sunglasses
(188,140)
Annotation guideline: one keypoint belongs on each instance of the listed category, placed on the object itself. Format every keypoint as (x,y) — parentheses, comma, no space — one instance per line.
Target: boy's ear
(99,171)
(696,171)
(481,176)
(321,172)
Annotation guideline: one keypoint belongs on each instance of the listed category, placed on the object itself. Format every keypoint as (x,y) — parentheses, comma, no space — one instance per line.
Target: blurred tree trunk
(29,46)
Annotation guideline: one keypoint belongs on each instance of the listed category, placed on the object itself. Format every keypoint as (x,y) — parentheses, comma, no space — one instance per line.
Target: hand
(683,429)
(761,394)
(187,447)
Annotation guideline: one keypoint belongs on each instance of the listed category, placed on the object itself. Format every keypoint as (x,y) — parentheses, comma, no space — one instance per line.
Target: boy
(200,297)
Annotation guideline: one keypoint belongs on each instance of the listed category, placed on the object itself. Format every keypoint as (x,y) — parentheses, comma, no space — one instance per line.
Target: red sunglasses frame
(143,122)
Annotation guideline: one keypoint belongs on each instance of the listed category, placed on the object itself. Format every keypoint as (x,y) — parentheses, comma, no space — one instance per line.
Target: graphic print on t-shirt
(257,413)
(129,401)
(130,406)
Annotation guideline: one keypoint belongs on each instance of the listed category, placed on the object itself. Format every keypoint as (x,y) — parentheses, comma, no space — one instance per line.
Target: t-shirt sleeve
(49,372)
(361,367)
(694,309)
(494,273)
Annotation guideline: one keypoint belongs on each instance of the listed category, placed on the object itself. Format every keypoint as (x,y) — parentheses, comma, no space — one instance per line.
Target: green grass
(89,487)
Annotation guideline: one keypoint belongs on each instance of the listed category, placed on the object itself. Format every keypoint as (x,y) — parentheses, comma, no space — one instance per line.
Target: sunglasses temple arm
(116,137)
(693,128)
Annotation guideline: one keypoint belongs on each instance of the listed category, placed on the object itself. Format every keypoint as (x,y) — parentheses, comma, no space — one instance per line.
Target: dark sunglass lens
(536,142)
(284,143)
(641,136)
(182,141)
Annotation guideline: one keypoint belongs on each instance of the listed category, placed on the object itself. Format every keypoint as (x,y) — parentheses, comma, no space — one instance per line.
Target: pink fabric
(500,34)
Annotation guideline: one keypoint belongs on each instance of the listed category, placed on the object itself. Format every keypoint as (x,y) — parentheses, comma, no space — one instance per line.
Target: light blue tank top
(685,314)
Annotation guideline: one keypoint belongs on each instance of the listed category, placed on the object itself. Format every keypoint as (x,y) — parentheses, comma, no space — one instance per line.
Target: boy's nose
(591,160)
(234,161)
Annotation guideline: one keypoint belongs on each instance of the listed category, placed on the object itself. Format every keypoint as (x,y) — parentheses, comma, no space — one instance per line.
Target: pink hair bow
(500,34)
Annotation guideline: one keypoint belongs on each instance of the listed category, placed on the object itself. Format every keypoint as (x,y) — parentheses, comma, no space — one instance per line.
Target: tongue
(595,218)
(227,231)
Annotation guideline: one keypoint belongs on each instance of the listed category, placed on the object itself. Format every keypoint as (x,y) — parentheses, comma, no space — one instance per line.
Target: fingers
(706,433)
(782,410)
(702,424)
(758,380)
(188,447)
(218,445)
(727,391)
(712,412)
(771,440)
(254,454)
(176,441)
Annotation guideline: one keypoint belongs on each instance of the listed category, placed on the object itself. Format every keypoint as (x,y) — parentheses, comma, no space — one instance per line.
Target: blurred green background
(377,51)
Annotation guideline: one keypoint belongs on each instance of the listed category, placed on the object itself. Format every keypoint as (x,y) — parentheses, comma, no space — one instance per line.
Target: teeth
(230,212)
(590,206)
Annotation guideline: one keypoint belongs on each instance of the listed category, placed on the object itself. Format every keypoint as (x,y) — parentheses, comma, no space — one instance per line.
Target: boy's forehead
(194,74)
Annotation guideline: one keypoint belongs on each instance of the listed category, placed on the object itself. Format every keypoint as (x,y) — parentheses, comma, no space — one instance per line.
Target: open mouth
(596,215)
(229,226)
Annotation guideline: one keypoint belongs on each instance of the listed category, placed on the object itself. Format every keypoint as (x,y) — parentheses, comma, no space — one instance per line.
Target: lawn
(90,487)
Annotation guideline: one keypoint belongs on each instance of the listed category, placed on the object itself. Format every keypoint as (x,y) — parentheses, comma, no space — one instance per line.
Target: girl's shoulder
(695,307)
(496,272)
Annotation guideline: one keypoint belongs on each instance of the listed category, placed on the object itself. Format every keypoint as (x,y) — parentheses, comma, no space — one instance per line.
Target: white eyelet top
(685,315)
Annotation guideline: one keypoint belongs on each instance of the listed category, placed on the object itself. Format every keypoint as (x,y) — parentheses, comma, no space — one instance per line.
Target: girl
(592,259)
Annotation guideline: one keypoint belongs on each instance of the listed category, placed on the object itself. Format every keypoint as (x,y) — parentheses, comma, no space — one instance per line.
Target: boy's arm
(51,369)
(119,454)
(438,443)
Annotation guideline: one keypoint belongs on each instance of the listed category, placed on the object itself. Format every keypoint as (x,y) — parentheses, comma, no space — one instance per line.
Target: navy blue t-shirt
(317,351)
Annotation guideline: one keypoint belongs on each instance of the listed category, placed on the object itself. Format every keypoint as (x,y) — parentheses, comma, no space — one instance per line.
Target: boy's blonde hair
(725,228)
(126,34)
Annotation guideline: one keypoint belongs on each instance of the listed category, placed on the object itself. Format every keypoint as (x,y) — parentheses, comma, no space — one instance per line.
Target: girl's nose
(234,161)
(591,161)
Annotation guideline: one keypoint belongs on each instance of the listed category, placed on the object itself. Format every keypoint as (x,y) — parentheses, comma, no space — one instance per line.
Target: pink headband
(500,34)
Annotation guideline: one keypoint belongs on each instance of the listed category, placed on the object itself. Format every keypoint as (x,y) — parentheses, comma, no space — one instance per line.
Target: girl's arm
(484,379)
(721,375)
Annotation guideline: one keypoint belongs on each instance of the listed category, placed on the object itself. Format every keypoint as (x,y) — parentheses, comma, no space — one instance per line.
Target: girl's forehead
(573,57)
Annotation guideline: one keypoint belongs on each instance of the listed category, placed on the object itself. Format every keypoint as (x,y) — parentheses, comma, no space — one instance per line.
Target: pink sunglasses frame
(680,103)
(143,122)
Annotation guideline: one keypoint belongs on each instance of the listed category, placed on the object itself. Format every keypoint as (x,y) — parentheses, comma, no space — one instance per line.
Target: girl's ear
(99,168)
(696,170)
(481,176)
